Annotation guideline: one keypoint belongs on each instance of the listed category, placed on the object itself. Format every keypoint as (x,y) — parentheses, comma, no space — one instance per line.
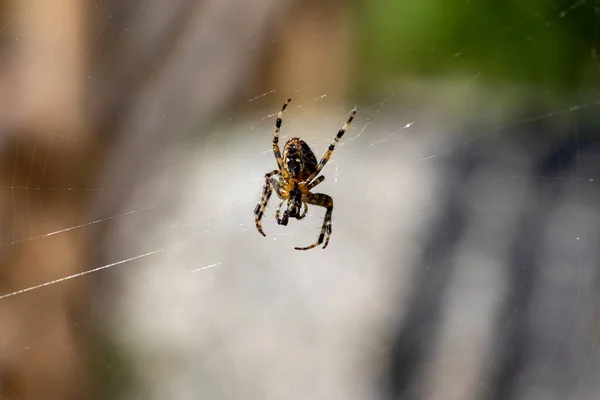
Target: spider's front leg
(301,216)
(284,220)
(326,201)
(264,199)
(281,221)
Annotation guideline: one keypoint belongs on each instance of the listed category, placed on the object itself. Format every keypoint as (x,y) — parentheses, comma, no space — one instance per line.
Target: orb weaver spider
(298,173)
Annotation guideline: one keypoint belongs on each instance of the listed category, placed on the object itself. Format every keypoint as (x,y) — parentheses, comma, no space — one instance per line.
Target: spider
(297,170)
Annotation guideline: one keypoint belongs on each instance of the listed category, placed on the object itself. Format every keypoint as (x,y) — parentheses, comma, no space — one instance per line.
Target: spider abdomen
(299,159)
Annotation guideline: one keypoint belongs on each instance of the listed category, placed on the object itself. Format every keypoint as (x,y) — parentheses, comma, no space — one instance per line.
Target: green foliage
(115,370)
(538,42)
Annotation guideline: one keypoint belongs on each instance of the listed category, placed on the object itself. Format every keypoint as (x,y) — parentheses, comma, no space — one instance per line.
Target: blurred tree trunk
(45,149)
(131,75)
(189,62)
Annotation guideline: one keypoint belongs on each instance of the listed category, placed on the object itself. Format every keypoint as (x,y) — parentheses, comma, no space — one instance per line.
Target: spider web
(196,301)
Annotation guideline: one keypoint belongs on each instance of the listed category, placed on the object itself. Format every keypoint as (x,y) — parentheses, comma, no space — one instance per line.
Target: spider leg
(316,182)
(301,216)
(332,146)
(278,122)
(284,220)
(264,199)
(277,187)
(326,201)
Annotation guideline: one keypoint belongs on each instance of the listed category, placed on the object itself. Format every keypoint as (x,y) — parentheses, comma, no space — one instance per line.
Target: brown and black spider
(298,170)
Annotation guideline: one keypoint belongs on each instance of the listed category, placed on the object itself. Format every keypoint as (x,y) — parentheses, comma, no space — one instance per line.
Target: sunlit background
(464,259)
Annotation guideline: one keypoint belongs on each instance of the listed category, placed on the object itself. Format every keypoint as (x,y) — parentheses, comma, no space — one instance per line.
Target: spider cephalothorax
(298,172)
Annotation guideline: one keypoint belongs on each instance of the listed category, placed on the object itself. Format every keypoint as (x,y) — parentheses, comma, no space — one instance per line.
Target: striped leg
(301,216)
(278,122)
(276,187)
(278,213)
(332,146)
(316,182)
(284,221)
(264,199)
(326,201)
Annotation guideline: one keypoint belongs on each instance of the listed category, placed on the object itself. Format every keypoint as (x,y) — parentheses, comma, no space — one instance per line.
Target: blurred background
(464,259)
